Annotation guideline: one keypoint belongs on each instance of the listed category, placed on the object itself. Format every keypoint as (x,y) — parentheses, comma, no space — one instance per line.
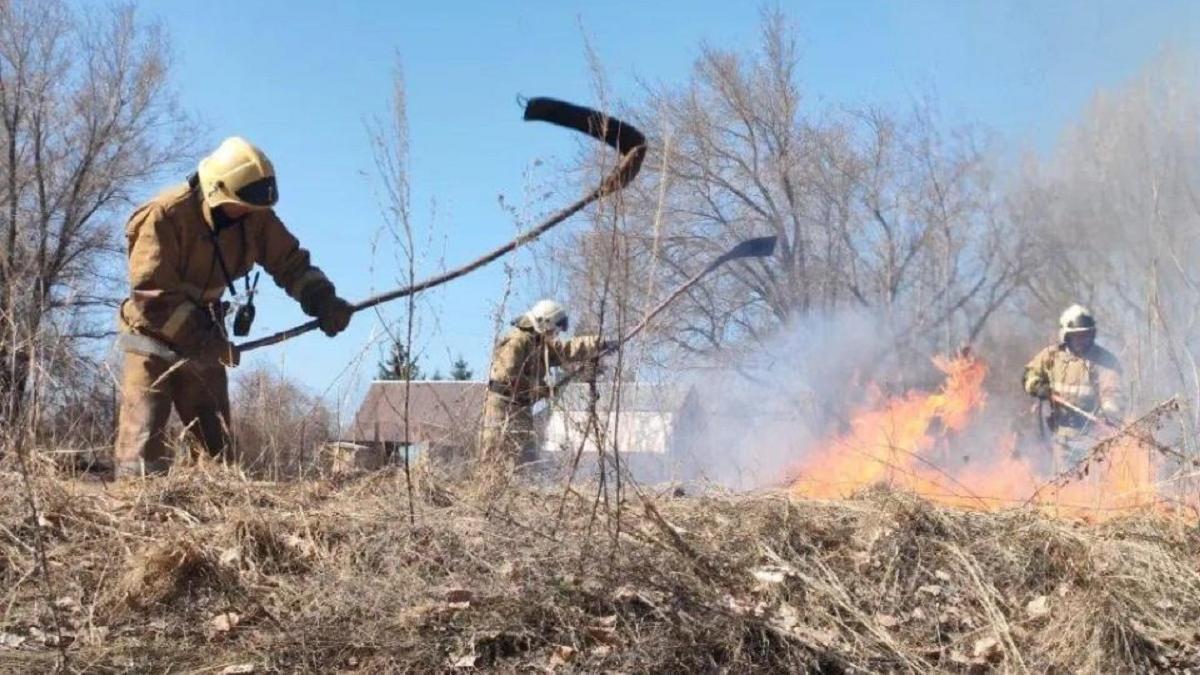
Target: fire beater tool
(1117,430)
(1080,468)
(759,247)
(621,136)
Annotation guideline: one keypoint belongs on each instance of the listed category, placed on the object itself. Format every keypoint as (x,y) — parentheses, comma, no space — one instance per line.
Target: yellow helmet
(237,172)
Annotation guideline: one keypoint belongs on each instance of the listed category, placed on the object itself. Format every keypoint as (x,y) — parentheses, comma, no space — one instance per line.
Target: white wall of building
(640,432)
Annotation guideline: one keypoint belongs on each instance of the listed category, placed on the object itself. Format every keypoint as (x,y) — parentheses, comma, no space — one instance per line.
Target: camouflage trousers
(150,388)
(1069,448)
(508,438)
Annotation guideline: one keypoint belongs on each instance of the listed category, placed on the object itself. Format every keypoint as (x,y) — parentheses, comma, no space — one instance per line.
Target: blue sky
(301,78)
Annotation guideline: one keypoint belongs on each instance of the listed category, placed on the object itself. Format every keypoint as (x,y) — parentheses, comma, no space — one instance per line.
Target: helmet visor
(1083,322)
(261,192)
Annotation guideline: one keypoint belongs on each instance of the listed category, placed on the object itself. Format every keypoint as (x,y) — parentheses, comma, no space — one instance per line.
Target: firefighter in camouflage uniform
(1081,373)
(185,247)
(517,379)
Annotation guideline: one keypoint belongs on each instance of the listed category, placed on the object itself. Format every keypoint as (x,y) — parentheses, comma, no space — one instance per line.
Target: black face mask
(221,221)
(1079,343)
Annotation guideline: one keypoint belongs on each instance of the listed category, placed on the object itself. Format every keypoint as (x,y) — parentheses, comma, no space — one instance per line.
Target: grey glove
(334,315)
(331,312)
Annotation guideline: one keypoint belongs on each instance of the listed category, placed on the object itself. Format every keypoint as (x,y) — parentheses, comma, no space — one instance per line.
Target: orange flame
(906,442)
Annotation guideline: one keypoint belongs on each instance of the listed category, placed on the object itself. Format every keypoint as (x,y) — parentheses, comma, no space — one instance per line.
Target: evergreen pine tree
(459,370)
(399,364)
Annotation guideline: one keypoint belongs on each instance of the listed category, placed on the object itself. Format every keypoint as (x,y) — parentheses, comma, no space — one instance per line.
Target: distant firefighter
(186,246)
(517,380)
(1075,373)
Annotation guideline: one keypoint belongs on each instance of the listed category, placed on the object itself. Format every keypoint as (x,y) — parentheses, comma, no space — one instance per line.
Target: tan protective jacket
(522,358)
(174,275)
(1090,381)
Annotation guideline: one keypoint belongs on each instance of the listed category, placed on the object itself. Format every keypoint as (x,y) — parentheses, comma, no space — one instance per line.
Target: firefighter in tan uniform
(517,379)
(1081,373)
(186,246)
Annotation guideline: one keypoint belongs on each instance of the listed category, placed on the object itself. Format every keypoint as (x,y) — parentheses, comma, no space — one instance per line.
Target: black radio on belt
(242,320)
(244,317)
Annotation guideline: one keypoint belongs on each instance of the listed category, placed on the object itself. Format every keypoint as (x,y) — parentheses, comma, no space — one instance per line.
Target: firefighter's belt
(146,346)
(504,390)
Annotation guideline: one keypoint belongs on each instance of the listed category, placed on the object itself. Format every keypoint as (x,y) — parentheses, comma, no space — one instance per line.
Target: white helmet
(545,316)
(238,172)
(1076,319)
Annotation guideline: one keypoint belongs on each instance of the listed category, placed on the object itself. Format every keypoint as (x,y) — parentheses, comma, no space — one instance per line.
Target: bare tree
(390,147)
(86,116)
(890,214)
(279,427)
(1115,212)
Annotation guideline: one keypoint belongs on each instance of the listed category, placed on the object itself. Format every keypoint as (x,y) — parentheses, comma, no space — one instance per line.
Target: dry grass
(204,571)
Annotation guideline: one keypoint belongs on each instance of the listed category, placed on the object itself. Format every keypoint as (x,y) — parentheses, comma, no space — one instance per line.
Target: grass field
(206,571)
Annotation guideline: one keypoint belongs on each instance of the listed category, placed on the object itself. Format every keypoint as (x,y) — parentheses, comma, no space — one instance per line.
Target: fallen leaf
(942,575)
(737,605)
(770,574)
(824,638)
(305,547)
(561,656)
(11,640)
(786,618)
(887,620)
(601,650)
(230,556)
(68,603)
(238,669)
(637,598)
(1038,607)
(918,614)
(988,649)
(931,589)
(224,622)
(603,635)
(464,661)
(950,618)
(607,621)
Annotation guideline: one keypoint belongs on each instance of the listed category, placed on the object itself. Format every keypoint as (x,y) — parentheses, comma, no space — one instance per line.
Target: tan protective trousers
(508,438)
(199,392)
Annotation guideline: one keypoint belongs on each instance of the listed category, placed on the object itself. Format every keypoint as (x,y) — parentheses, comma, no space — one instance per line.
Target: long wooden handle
(621,136)
(751,248)
(1128,429)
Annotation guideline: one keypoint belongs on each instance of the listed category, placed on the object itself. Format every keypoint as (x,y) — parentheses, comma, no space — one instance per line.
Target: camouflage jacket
(522,359)
(1090,381)
(174,274)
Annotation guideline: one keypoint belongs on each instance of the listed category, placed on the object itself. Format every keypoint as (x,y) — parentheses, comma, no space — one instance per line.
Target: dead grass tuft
(204,569)
(163,573)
